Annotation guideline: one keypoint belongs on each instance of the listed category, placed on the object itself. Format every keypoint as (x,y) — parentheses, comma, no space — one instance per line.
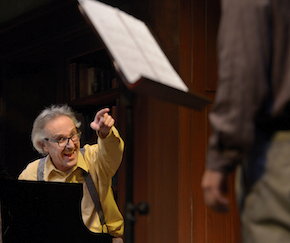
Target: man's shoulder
(30,172)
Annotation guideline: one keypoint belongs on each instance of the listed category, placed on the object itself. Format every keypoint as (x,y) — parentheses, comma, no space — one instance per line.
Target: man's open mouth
(69,154)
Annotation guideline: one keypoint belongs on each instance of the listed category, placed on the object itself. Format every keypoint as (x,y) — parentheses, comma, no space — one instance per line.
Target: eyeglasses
(62,142)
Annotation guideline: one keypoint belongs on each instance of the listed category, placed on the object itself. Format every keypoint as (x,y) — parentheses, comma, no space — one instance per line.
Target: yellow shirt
(102,161)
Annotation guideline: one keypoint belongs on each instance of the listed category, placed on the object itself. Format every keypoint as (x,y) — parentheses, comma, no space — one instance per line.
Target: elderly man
(56,134)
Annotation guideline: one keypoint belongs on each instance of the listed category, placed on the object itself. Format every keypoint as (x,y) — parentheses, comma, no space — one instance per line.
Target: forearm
(111,150)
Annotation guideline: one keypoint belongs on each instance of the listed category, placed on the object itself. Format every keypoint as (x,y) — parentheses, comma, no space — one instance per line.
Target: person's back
(250,117)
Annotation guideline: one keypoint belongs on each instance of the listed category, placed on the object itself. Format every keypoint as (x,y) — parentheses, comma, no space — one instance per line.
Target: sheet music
(132,45)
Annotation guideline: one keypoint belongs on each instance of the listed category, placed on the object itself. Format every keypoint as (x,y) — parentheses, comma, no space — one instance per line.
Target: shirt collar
(80,164)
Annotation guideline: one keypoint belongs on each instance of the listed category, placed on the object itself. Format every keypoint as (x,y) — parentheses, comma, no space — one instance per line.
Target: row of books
(86,80)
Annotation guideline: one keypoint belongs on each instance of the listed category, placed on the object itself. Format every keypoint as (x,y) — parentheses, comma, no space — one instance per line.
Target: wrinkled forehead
(62,125)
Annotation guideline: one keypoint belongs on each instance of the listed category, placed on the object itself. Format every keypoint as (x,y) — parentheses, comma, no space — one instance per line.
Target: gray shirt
(254,78)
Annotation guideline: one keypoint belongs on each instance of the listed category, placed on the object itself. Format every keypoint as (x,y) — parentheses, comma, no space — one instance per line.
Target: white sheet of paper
(132,45)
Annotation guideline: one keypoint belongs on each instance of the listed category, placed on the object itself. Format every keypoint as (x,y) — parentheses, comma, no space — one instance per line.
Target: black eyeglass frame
(78,136)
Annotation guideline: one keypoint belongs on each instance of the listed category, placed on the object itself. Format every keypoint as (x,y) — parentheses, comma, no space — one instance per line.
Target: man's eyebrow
(59,135)
(75,130)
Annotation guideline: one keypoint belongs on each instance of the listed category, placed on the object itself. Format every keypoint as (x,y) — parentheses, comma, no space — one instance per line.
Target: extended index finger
(103,112)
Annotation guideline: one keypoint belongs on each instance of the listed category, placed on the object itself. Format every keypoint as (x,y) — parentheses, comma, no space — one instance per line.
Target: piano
(42,212)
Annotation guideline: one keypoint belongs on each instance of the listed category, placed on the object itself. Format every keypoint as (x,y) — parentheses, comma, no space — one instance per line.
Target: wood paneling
(141,173)
(160,144)
(198,67)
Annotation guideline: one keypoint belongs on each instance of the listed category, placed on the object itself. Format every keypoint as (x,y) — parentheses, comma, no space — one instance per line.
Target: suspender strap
(95,196)
(90,184)
(40,169)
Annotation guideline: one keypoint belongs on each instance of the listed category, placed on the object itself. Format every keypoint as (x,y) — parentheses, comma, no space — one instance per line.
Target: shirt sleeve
(107,154)
(244,61)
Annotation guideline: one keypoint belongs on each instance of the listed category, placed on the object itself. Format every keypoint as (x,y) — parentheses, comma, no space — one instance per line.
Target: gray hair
(48,114)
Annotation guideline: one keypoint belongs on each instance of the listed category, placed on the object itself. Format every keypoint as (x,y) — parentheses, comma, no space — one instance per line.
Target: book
(137,56)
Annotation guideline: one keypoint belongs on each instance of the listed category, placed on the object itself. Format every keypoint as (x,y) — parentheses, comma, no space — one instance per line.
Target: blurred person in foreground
(56,135)
(251,118)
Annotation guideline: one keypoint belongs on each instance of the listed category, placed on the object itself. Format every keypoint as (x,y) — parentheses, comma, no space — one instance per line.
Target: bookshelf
(92,85)
(91,74)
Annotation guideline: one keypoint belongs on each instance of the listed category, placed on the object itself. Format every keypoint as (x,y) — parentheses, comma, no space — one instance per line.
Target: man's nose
(70,143)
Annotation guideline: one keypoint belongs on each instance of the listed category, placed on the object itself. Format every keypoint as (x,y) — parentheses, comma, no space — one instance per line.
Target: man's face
(64,158)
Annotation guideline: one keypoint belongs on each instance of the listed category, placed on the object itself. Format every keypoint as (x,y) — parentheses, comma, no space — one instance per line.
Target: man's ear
(44,146)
